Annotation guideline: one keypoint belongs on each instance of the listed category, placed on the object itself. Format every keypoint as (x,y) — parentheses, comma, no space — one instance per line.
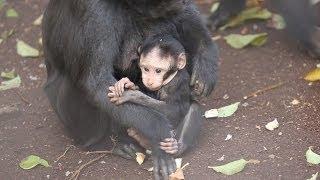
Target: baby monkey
(162,63)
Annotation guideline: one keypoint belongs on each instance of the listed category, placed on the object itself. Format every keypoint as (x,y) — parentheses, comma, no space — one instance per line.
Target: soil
(31,127)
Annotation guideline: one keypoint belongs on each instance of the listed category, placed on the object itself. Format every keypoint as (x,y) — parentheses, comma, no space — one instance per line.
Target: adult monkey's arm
(202,51)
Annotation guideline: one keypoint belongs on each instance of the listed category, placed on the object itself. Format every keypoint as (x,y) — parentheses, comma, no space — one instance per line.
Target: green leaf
(2,3)
(10,84)
(6,34)
(228,110)
(313,75)
(248,14)
(9,75)
(278,22)
(44,163)
(312,157)
(314,177)
(32,161)
(214,7)
(231,168)
(11,13)
(25,50)
(239,41)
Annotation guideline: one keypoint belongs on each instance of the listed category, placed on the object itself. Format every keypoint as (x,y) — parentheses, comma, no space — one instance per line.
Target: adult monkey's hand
(204,72)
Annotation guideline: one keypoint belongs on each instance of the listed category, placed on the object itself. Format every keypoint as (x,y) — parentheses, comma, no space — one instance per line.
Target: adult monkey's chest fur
(135,33)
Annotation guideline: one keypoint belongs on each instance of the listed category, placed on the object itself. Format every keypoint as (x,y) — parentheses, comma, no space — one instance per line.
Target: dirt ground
(31,127)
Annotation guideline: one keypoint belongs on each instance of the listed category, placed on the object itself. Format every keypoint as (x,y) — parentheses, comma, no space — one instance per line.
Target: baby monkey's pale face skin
(154,67)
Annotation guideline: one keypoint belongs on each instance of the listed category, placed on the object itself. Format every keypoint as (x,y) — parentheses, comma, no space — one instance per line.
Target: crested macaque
(162,63)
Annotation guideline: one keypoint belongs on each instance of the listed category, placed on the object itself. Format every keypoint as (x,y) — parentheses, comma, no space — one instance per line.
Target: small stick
(23,98)
(254,94)
(76,173)
(65,152)
(99,152)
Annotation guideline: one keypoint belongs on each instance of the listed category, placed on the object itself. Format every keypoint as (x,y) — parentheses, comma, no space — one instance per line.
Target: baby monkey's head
(161,58)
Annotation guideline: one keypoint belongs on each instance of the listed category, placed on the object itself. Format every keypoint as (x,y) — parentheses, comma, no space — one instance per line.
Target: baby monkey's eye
(146,69)
(158,71)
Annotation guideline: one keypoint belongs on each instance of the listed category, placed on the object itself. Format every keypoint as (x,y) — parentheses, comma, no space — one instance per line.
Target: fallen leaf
(6,34)
(248,14)
(272,156)
(140,158)
(9,75)
(178,162)
(313,75)
(10,84)
(2,2)
(40,41)
(272,125)
(38,21)
(150,169)
(178,175)
(312,157)
(295,102)
(32,161)
(221,158)
(314,177)
(228,110)
(1,40)
(211,113)
(277,22)
(11,13)
(229,136)
(230,168)
(25,50)
(239,41)
(214,7)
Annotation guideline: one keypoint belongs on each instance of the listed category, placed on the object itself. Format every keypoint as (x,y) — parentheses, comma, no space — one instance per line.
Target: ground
(31,127)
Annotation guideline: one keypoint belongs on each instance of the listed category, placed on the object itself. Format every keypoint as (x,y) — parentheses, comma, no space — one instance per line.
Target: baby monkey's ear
(182,61)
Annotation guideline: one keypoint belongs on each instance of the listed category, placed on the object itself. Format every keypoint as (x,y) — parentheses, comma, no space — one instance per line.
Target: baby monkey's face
(154,68)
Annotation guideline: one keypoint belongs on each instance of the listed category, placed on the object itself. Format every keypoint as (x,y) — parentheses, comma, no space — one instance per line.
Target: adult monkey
(89,45)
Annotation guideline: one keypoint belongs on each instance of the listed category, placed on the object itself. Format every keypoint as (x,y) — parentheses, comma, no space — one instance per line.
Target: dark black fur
(90,44)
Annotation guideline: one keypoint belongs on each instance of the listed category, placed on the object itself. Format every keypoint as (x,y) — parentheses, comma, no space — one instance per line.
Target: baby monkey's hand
(119,87)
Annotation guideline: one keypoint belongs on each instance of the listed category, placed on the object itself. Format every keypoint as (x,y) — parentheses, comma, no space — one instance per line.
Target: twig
(23,98)
(76,173)
(99,152)
(254,94)
(65,152)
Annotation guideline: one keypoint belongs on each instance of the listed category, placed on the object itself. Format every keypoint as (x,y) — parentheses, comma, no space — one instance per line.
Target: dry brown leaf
(140,158)
(178,175)
(295,102)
